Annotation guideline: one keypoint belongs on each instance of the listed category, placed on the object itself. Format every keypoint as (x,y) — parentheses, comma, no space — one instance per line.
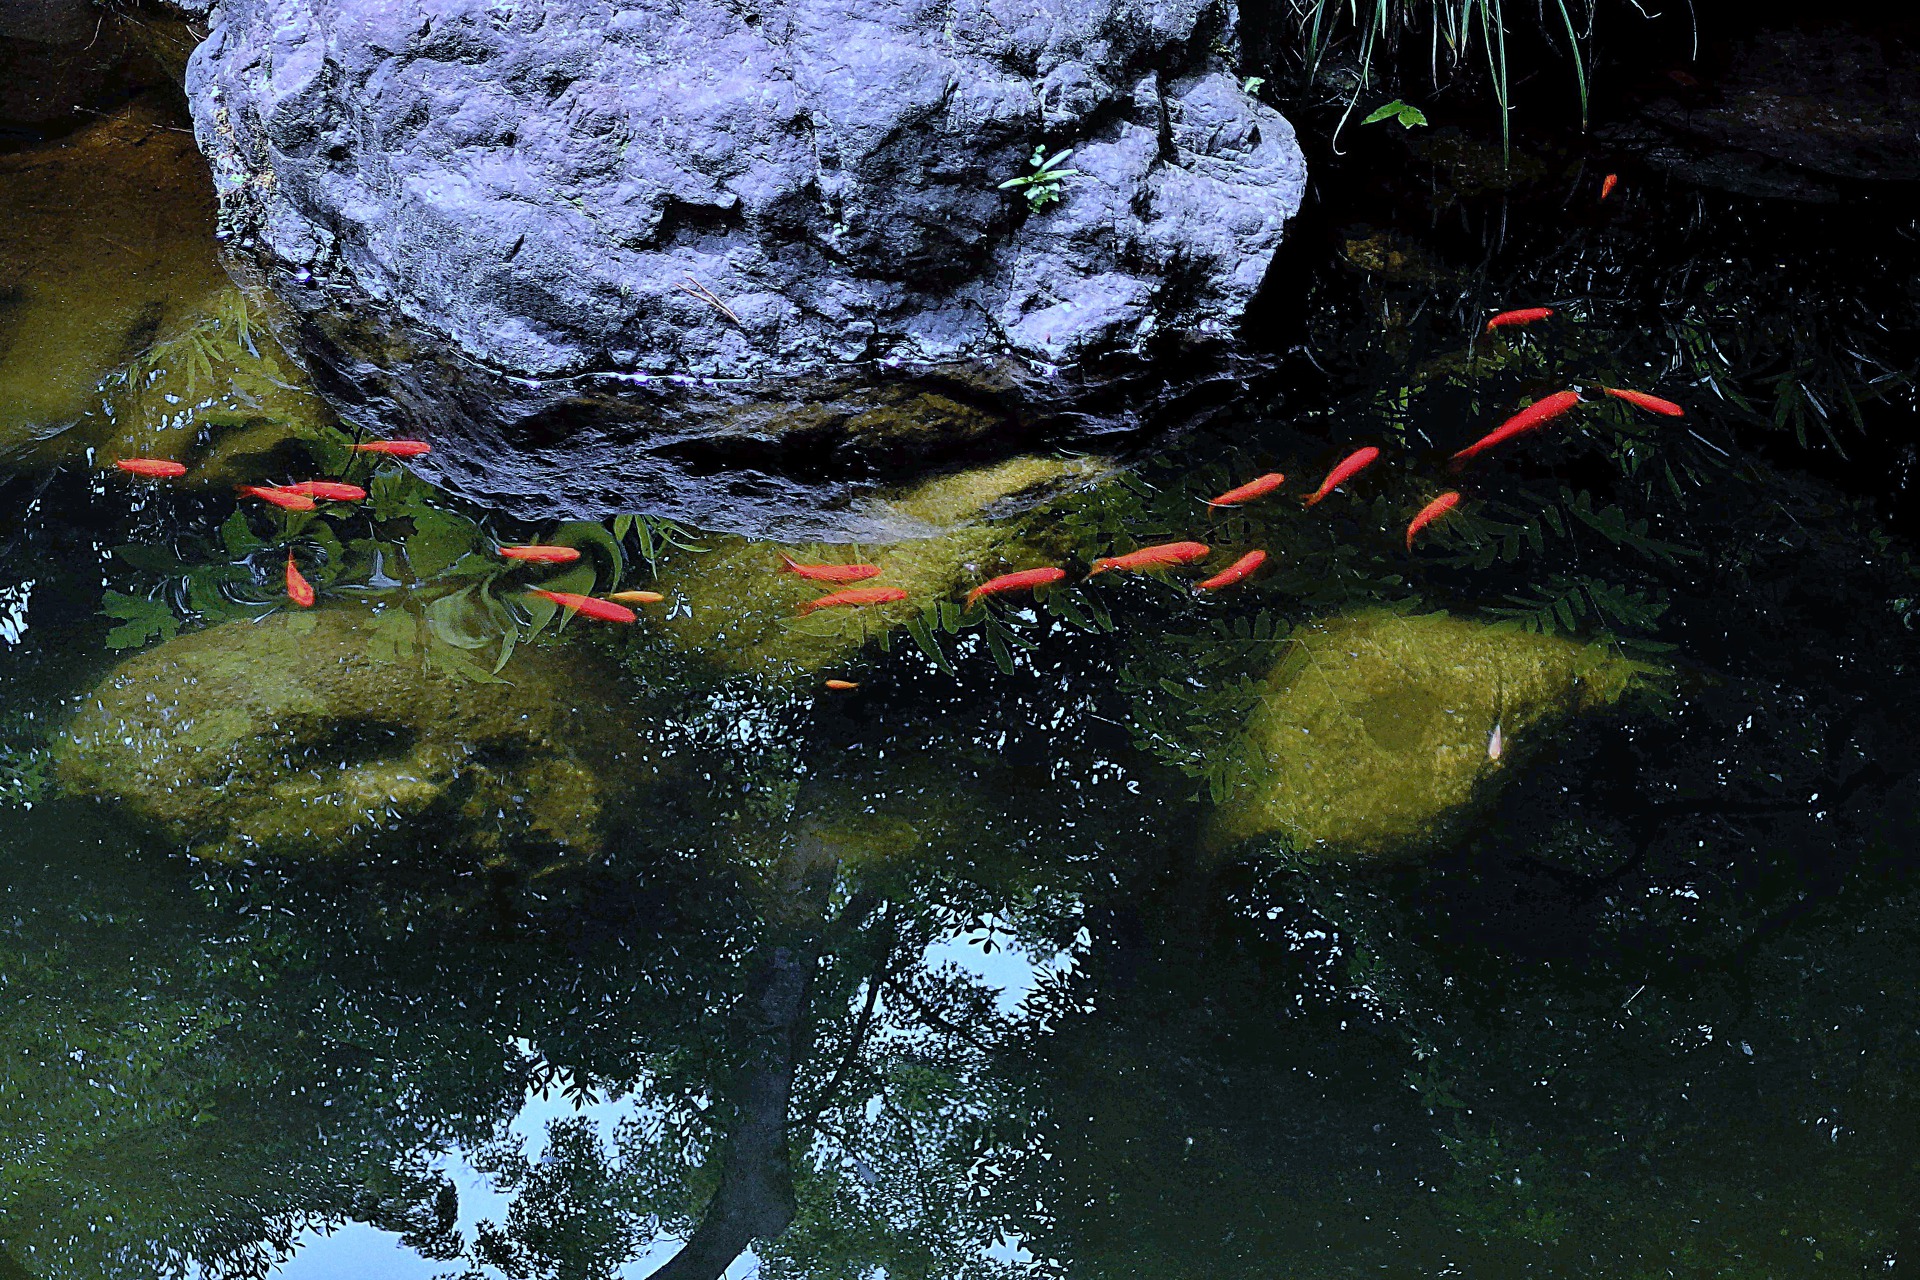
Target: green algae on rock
(737,606)
(109,246)
(120,332)
(296,736)
(1371,740)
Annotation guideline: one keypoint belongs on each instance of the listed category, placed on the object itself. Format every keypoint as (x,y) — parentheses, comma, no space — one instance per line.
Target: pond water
(1535,896)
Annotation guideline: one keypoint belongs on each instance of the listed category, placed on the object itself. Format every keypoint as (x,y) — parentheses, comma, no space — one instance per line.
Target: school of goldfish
(306,495)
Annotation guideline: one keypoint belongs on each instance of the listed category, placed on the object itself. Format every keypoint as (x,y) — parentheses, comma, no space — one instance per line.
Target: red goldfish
(842,686)
(329,490)
(855,596)
(637,597)
(1238,571)
(830,572)
(1014,582)
(1641,400)
(299,590)
(1347,470)
(152,468)
(285,499)
(1537,414)
(1431,512)
(1164,556)
(1259,487)
(1526,315)
(605,610)
(541,554)
(1607,184)
(395,448)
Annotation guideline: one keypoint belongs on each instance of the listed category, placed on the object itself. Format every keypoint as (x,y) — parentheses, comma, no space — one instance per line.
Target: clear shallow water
(312,936)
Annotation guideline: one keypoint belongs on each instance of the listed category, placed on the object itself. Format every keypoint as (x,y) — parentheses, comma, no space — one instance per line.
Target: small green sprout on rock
(1406,113)
(1042,186)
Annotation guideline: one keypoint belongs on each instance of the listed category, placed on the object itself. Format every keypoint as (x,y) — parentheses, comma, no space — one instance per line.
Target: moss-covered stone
(303,736)
(109,246)
(119,331)
(736,605)
(1372,739)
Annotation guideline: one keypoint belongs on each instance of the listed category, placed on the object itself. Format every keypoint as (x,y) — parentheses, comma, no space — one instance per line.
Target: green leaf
(238,537)
(149,559)
(141,620)
(439,539)
(457,619)
(393,636)
(590,535)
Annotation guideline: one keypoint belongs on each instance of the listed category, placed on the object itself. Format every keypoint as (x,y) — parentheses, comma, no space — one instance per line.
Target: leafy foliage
(1043,186)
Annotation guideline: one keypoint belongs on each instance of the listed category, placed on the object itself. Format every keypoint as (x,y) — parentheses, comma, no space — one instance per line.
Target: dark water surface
(1126,932)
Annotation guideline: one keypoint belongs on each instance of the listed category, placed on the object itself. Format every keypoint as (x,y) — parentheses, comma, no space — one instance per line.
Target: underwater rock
(299,736)
(736,605)
(624,232)
(109,246)
(1793,108)
(1371,740)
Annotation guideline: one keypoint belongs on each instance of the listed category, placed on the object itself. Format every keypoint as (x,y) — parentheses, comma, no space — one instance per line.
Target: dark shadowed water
(1540,900)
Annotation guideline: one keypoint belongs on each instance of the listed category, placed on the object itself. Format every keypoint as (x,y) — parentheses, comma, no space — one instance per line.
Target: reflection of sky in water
(358,1250)
(13,611)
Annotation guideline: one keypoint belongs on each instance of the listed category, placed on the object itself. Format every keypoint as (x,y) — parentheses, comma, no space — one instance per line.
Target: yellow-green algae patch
(119,331)
(1371,738)
(109,246)
(299,736)
(736,605)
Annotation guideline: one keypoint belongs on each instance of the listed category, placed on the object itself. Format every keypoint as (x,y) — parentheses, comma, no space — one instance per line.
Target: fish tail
(1314,498)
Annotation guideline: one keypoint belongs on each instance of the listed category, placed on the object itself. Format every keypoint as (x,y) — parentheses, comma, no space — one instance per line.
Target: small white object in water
(1496,743)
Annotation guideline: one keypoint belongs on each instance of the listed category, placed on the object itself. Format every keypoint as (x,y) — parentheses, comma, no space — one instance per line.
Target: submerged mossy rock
(737,606)
(300,736)
(1372,738)
(109,246)
(119,330)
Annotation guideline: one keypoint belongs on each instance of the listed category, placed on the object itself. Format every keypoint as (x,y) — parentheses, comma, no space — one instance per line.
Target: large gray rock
(543,190)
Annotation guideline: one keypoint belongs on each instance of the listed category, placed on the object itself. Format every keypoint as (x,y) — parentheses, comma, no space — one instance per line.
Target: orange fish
(1014,582)
(395,448)
(842,686)
(285,499)
(1164,556)
(1238,571)
(1537,414)
(831,572)
(1526,315)
(299,590)
(541,554)
(855,596)
(1431,512)
(1607,185)
(637,597)
(1347,470)
(152,468)
(605,610)
(1259,487)
(1641,400)
(329,490)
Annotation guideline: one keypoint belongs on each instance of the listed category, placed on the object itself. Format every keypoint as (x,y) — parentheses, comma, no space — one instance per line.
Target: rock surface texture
(721,237)
(1795,113)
